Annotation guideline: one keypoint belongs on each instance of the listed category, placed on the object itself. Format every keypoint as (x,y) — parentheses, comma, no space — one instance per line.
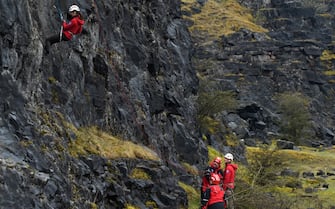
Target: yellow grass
(193,195)
(305,158)
(213,153)
(219,18)
(93,141)
(327,55)
(138,173)
(309,160)
(329,72)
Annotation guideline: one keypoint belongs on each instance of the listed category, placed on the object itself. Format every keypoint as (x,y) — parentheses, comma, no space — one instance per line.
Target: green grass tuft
(193,195)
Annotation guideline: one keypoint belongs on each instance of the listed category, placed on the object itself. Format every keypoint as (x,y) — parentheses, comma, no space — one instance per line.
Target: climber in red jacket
(229,172)
(229,176)
(214,167)
(213,197)
(74,27)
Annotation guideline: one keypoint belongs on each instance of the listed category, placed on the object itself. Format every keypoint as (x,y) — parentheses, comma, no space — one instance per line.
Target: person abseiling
(74,27)
(213,197)
(214,167)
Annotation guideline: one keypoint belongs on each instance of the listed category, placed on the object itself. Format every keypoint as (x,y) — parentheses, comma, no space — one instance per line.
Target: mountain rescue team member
(214,167)
(229,176)
(229,172)
(213,197)
(74,27)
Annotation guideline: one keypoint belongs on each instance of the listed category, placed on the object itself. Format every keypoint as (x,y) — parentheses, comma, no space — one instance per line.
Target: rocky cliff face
(292,56)
(129,73)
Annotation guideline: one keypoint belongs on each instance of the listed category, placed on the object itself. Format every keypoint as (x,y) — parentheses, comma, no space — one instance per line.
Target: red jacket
(229,176)
(205,179)
(75,26)
(216,194)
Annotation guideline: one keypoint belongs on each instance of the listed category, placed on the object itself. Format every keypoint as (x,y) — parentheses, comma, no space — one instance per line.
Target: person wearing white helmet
(73,27)
(74,8)
(229,174)
(229,156)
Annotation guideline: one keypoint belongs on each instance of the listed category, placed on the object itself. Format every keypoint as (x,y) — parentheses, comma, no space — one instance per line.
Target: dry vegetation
(193,195)
(304,160)
(93,141)
(328,59)
(219,18)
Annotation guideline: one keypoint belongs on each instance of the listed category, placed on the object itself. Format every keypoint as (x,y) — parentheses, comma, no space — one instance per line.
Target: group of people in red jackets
(218,183)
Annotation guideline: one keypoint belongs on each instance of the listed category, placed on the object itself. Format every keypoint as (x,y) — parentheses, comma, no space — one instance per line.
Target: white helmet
(229,156)
(74,8)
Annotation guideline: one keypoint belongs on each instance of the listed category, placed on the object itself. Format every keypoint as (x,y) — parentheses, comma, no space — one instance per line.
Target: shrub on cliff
(295,120)
(210,102)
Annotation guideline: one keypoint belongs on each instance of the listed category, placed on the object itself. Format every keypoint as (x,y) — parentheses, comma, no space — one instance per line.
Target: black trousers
(55,39)
(218,205)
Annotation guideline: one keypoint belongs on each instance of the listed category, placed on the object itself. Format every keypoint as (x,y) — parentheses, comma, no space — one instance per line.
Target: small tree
(256,190)
(264,164)
(295,115)
(210,102)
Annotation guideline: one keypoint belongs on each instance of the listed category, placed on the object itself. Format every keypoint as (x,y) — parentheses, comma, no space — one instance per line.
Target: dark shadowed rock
(289,172)
(284,144)
(308,174)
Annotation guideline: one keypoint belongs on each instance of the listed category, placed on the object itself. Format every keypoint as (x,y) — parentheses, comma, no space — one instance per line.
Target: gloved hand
(208,173)
(204,202)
